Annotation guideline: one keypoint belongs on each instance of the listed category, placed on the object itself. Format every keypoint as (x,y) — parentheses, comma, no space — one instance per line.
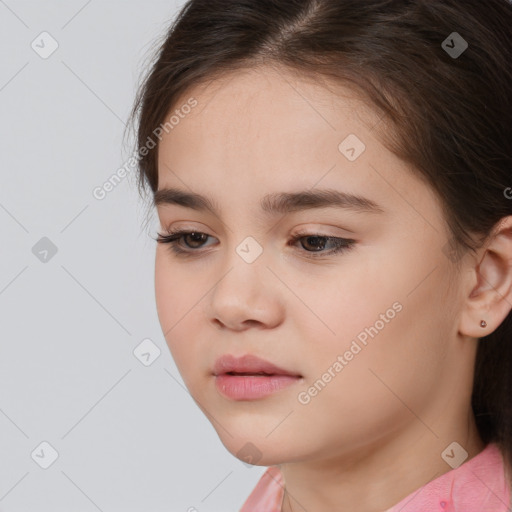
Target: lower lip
(252,387)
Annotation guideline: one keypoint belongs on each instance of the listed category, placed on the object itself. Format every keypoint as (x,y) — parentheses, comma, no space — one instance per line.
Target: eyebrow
(276,203)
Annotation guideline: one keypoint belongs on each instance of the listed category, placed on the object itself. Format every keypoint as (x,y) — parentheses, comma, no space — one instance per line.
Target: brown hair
(450,115)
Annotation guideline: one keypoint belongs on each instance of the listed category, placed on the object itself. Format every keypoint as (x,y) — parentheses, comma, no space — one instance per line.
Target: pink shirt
(477,485)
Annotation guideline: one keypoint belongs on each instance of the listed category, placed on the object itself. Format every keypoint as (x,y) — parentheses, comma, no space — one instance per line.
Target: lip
(250,377)
(248,364)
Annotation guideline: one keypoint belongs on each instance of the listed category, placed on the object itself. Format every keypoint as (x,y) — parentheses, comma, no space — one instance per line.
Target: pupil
(196,236)
(317,238)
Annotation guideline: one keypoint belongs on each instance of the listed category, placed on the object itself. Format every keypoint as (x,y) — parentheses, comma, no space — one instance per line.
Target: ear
(490,299)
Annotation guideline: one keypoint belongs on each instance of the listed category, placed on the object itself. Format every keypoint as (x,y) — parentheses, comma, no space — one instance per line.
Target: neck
(374,477)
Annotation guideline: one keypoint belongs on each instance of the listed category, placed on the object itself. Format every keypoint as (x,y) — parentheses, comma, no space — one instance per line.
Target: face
(360,308)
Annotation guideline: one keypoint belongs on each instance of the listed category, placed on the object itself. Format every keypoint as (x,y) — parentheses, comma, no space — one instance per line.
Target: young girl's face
(370,331)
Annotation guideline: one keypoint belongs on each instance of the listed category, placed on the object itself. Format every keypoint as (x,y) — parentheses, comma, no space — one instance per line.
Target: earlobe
(490,299)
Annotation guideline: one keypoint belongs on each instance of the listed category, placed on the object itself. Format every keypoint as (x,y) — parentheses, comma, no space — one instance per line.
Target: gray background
(128,436)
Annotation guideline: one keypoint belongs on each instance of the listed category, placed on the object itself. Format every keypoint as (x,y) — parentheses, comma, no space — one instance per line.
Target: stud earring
(483,323)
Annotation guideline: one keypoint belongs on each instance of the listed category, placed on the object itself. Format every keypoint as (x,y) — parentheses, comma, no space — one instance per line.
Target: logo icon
(44,250)
(454,455)
(146,352)
(351,147)
(249,250)
(454,45)
(44,455)
(249,454)
(44,45)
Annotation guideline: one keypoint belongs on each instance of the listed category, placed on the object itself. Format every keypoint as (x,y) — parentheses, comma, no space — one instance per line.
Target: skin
(376,432)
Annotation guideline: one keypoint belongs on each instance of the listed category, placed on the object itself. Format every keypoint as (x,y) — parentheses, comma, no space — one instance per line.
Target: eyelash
(173,236)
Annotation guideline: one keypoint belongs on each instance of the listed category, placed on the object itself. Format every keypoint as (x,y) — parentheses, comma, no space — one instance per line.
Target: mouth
(248,365)
(250,377)
(254,374)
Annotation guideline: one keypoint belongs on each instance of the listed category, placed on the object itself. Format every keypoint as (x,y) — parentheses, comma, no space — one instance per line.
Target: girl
(333,181)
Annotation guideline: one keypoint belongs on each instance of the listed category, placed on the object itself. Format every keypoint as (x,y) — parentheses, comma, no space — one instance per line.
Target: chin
(257,450)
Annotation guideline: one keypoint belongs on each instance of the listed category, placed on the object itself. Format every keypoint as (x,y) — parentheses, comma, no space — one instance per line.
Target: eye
(173,237)
(319,241)
(195,239)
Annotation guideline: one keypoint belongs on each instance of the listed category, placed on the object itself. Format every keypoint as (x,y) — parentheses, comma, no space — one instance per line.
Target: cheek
(175,302)
(380,321)
(166,291)
(378,382)
(177,293)
(354,303)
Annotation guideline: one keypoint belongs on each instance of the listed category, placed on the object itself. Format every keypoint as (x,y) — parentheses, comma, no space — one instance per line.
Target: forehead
(266,99)
(262,118)
(255,132)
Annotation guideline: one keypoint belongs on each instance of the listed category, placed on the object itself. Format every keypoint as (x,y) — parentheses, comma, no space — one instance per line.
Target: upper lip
(248,364)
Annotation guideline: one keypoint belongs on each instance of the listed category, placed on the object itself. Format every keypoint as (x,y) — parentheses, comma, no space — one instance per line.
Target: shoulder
(478,485)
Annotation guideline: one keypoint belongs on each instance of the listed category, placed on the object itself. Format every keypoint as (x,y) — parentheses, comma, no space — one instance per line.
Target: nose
(247,295)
